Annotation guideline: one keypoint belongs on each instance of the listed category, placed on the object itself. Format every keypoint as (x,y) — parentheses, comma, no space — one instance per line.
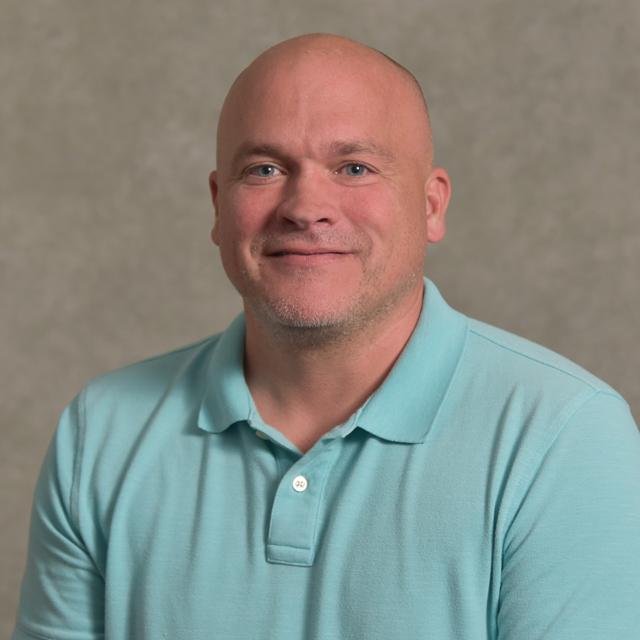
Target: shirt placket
(297,507)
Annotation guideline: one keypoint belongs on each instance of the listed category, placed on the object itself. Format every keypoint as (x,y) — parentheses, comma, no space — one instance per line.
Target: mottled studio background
(107,135)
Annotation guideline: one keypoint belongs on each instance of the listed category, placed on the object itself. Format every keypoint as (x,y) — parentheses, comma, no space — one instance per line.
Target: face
(324,198)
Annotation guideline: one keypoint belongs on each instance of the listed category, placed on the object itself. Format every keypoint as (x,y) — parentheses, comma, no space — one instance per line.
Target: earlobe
(215,234)
(438,194)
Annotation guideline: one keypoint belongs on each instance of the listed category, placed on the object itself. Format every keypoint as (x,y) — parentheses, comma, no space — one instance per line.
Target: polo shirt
(489,489)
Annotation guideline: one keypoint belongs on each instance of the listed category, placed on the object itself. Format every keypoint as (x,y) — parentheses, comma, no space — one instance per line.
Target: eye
(263,171)
(355,169)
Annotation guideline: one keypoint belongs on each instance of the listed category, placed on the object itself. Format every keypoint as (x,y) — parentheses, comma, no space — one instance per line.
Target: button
(300,483)
(262,436)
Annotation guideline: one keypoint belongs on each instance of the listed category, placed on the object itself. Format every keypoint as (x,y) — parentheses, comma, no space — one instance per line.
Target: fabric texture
(489,489)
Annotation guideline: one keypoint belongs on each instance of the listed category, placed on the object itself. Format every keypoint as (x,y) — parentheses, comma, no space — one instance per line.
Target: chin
(296,315)
(303,303)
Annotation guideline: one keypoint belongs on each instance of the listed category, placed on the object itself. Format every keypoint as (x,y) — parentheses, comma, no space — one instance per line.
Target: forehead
(314,102)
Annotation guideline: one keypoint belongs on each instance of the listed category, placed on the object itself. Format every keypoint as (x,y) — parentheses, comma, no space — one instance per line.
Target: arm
(62,593)
(571,560)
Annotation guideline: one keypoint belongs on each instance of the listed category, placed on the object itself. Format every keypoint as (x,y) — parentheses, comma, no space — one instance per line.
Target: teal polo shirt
(489,489)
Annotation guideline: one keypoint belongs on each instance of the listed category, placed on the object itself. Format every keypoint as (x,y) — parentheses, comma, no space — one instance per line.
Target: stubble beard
(298,324)
(288,323)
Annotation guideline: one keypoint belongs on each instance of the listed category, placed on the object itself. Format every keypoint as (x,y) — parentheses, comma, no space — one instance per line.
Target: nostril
(304,219)
(305,209)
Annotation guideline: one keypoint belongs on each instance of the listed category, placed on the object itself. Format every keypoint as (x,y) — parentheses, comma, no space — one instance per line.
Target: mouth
(305,257)
(278,254)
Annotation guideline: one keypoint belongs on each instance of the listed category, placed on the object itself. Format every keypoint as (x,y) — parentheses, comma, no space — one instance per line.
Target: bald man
(351,457)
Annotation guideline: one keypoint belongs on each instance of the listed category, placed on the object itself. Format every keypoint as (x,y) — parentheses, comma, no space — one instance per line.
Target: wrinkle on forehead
(325,54)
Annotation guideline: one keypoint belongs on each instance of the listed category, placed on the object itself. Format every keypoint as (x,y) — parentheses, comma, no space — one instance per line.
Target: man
(351,458)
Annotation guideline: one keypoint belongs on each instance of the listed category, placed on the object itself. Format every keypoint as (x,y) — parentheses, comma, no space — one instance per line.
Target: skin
(326,200)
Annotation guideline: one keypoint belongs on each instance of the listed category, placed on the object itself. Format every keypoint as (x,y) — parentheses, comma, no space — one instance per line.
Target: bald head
(314,59)
(332,44)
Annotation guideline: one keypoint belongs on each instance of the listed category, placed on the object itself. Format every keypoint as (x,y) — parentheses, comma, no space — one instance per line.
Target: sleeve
(571,554)
(62,594)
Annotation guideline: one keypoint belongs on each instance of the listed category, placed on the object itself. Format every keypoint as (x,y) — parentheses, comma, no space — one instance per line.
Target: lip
(304,251)
(306,257)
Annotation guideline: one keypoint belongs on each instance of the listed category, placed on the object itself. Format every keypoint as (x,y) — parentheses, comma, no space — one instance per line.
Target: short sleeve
(62,594)
(571,554)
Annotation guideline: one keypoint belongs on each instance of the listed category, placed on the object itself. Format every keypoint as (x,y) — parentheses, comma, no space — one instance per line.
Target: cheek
(394,220)
(378,212)
(412,221)
(241,215)
(255,200)
(372,207)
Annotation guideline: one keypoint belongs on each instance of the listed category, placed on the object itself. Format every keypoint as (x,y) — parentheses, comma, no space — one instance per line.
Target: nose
(308,201)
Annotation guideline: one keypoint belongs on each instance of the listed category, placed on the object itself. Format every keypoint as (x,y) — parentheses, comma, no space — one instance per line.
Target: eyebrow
(348,147)
(336,148)
(247,149)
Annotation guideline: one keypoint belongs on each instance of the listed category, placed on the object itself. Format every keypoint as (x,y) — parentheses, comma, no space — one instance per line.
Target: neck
(317,384)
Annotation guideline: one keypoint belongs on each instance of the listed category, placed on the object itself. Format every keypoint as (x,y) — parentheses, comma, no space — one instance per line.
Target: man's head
(325,193)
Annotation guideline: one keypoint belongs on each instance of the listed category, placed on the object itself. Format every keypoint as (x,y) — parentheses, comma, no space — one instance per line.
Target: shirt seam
(592,386)
(534,467)
(31,634)
(214,337)
(74,495)
(289,546)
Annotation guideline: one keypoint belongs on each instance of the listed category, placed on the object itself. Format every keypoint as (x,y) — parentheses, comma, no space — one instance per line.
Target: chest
(355,539)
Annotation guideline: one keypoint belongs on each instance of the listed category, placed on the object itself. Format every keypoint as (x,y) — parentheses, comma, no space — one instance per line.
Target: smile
(306,253)
(306,258)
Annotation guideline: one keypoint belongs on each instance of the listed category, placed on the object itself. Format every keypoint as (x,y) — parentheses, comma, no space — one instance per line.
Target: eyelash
(357,164)
(250,170)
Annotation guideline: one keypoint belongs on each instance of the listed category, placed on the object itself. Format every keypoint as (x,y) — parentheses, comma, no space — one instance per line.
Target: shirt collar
(402,409)
(227,399)
(406,404)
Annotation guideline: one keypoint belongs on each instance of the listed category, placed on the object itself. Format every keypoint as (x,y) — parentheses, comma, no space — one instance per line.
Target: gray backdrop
(108,131)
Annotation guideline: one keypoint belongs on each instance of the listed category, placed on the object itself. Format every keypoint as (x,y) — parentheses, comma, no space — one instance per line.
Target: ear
(438,194)
(213,188)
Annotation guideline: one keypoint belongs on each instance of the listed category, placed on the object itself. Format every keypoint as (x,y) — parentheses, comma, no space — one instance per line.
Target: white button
(299,483)
(261,435)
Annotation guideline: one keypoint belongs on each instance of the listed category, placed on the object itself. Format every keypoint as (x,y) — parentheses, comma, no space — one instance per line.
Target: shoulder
(152,402)
(542,418)
(528,392)
(153,374)
(517,359)
(126,398)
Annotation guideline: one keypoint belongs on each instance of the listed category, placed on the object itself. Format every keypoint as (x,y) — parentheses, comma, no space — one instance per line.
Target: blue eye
(263,171)
(355,170)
